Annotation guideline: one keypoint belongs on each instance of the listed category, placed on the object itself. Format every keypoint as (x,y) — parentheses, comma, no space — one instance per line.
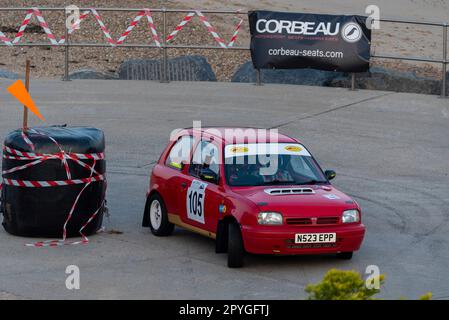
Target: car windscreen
(285,165)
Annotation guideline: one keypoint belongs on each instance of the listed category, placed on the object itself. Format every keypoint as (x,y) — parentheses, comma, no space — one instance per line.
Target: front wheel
(159,224)
(236,251)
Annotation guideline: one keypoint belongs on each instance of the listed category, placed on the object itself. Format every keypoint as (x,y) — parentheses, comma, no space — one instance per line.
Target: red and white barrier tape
(61,154)
(27,140)
(179,27)
(144,13)
(5,39)
(209,28)
(42,23)
(94,176)
(75,26)
(19,155)
(106,32)
(236,34)
(52,183)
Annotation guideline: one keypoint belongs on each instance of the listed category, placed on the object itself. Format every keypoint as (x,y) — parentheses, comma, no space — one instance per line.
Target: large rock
(91,74)
(9,75)
(311,77)
(186,68)
(390,80)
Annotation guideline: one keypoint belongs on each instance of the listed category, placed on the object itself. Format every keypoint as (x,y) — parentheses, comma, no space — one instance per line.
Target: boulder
(376,78)
(186,68)
(390,80)
(9,75)
(92,75)
(311,77)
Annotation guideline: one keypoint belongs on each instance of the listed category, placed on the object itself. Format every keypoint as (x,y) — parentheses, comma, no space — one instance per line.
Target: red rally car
(252,195)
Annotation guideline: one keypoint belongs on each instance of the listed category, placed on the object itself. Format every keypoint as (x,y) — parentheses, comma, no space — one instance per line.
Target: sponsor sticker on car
(293,148)
(254,149)
(195,201)
(331,196)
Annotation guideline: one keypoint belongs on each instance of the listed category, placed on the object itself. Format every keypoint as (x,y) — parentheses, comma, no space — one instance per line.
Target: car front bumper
(281,240)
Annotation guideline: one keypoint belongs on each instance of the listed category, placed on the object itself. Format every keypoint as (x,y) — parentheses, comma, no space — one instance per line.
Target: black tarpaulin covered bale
(42,211)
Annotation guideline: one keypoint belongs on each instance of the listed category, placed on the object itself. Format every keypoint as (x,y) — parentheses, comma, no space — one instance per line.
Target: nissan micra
(251,194)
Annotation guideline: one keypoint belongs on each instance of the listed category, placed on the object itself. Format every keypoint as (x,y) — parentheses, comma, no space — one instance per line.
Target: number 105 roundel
(262,196)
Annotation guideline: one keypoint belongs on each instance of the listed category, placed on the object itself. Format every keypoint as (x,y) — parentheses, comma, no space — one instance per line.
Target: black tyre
(344,255)
(158,218)
(221,242)
(236,251)
(9,220)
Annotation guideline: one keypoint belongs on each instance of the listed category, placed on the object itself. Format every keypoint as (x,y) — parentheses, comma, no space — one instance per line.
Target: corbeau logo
(297,27)
(351,32)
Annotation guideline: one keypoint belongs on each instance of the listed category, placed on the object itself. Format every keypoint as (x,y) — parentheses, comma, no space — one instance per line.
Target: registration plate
(315,238)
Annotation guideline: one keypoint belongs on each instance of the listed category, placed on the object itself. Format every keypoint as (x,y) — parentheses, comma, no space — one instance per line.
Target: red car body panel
(244,204)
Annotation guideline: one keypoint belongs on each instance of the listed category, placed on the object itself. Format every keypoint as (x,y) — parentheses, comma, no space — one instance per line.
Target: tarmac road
(390,151)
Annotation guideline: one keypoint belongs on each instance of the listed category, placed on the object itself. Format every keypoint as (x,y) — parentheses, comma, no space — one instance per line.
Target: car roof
(222,132)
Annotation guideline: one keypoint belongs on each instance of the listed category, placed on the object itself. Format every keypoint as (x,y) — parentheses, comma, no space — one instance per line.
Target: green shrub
(427,296)
(346,285)
(342,285)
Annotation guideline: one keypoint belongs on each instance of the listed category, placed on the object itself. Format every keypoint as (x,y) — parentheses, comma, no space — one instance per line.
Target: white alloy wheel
(156,214)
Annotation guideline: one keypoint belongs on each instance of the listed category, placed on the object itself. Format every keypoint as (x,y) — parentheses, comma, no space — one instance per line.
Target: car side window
(206,156)
(180,152)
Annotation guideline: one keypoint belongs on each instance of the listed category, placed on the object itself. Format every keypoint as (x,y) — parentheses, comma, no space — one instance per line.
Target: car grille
(309,221)
(299,221)
(328,220)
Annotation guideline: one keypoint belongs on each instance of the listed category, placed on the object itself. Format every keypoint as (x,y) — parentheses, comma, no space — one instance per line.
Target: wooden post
(27,86)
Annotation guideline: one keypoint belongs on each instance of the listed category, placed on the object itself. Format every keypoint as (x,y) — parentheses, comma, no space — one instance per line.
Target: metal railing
(164,46)
(444,59)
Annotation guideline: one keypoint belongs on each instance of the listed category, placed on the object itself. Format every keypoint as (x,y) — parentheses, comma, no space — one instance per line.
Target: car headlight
(350,216)
(270,218)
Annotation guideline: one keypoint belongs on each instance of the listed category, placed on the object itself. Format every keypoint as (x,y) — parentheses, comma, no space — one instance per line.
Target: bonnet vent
(288,191)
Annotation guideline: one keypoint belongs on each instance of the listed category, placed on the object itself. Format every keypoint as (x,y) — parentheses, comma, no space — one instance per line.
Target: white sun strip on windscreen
(255,149)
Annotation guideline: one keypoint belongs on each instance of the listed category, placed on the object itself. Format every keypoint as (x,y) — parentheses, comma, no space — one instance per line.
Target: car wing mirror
(330,174)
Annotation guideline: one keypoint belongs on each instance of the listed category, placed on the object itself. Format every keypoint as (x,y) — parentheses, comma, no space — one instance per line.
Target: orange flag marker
(18,90)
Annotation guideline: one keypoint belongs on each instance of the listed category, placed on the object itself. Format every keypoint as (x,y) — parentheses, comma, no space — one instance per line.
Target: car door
(176,161)
(202,198)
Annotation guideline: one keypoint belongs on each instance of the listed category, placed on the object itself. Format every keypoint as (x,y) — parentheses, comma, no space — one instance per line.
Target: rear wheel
(159,224)
(236,251)
(344,255)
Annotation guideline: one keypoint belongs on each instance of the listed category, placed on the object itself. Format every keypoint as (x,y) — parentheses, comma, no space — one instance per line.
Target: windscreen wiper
(311,182)
(279,182)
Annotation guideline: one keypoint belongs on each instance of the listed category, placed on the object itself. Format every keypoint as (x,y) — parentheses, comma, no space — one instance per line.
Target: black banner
(300,40)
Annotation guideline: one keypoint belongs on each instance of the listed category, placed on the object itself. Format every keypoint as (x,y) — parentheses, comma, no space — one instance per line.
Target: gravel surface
(49,62)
